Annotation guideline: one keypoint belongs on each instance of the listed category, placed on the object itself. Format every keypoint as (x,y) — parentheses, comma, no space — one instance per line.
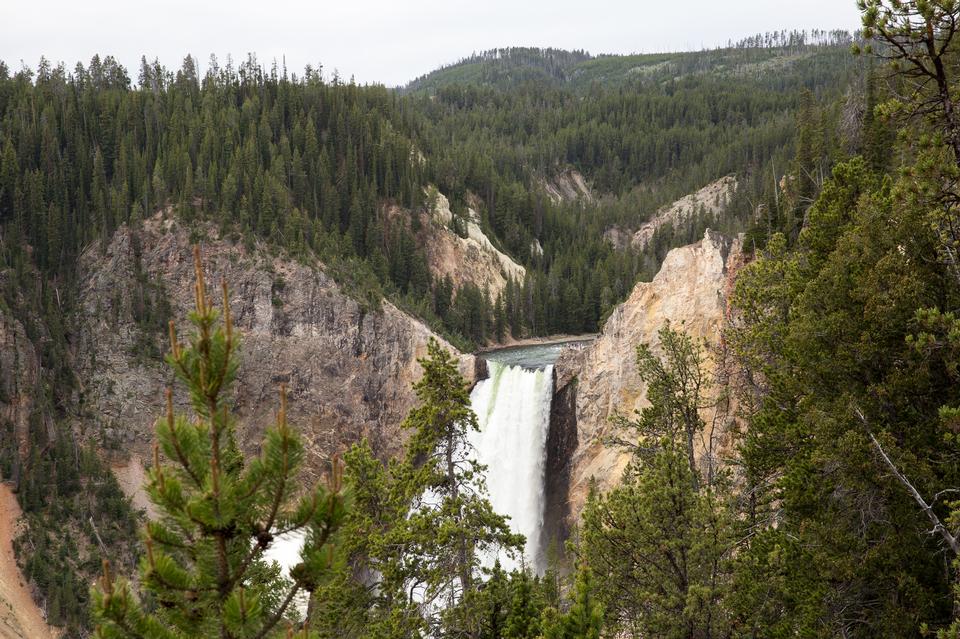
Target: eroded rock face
(561,448)
(567,186)
(473,258)
(690,291)
(712,199)
(20,618)
(19,382)
(348,371)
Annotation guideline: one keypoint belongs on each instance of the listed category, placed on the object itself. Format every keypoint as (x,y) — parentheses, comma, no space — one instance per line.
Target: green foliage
(311,163)
(644,131)
(584,620)
(660,542)
(840,548)
(204,567)
(74,516)
(420,528)
(74,512)
(851,304)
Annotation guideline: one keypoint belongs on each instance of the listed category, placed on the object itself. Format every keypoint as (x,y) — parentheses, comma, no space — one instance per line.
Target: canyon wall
(471,259)
(19,383)
(20,617)
(712,199)
(348,369)
(690,292)
(567,186)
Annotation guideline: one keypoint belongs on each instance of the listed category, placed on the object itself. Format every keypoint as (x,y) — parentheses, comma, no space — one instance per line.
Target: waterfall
(513,411)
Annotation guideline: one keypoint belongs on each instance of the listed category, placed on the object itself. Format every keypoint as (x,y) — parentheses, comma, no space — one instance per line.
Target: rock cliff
(711,199)
(19,382)
(348,370)
(690,291)
(20,617)
(567,186)
(561,447)
(471,259)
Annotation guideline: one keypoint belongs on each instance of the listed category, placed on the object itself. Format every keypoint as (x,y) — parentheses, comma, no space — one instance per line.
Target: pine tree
(9,174)
(452,521)
(424,524)
(219,512)
(526,607)
(877,136)
(817,357)
(660,542)
(584,620)
(499,319)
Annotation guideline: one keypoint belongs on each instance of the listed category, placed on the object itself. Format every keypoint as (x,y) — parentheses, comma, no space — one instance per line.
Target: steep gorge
(348,370)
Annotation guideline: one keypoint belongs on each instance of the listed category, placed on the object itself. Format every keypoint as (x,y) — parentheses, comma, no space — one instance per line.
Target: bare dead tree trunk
(938,525)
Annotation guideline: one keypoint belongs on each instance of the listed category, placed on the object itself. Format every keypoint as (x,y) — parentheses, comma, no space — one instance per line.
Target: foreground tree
(918,39)
(660,542)
(203,569)
(421,526)
(831,336)
(584,619)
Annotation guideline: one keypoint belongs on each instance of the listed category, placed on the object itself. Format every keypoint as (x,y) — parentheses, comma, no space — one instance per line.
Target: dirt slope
(20,618)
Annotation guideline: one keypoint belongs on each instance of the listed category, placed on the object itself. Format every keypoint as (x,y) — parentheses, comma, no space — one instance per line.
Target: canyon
(596,380)
(546,411)
(543,216)
(349,369)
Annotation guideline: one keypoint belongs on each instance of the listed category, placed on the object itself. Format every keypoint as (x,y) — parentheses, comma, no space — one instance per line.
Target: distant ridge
(508,67)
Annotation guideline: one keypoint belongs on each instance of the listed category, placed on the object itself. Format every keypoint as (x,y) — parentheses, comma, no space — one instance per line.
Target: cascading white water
(513,411)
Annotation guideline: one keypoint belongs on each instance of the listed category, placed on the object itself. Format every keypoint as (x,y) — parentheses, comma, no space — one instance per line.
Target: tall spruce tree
(203,569)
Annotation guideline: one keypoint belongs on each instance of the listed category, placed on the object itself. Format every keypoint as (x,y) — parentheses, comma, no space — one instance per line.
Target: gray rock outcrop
(348,370)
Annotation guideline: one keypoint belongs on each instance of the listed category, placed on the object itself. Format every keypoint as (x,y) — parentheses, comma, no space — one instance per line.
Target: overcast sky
(388,41)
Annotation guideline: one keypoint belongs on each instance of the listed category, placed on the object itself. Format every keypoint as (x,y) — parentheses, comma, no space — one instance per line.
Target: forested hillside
(509,67)
(309,163)
(644,131)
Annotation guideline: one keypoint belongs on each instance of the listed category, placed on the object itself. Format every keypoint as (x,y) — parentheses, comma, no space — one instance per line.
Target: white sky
(382,40)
